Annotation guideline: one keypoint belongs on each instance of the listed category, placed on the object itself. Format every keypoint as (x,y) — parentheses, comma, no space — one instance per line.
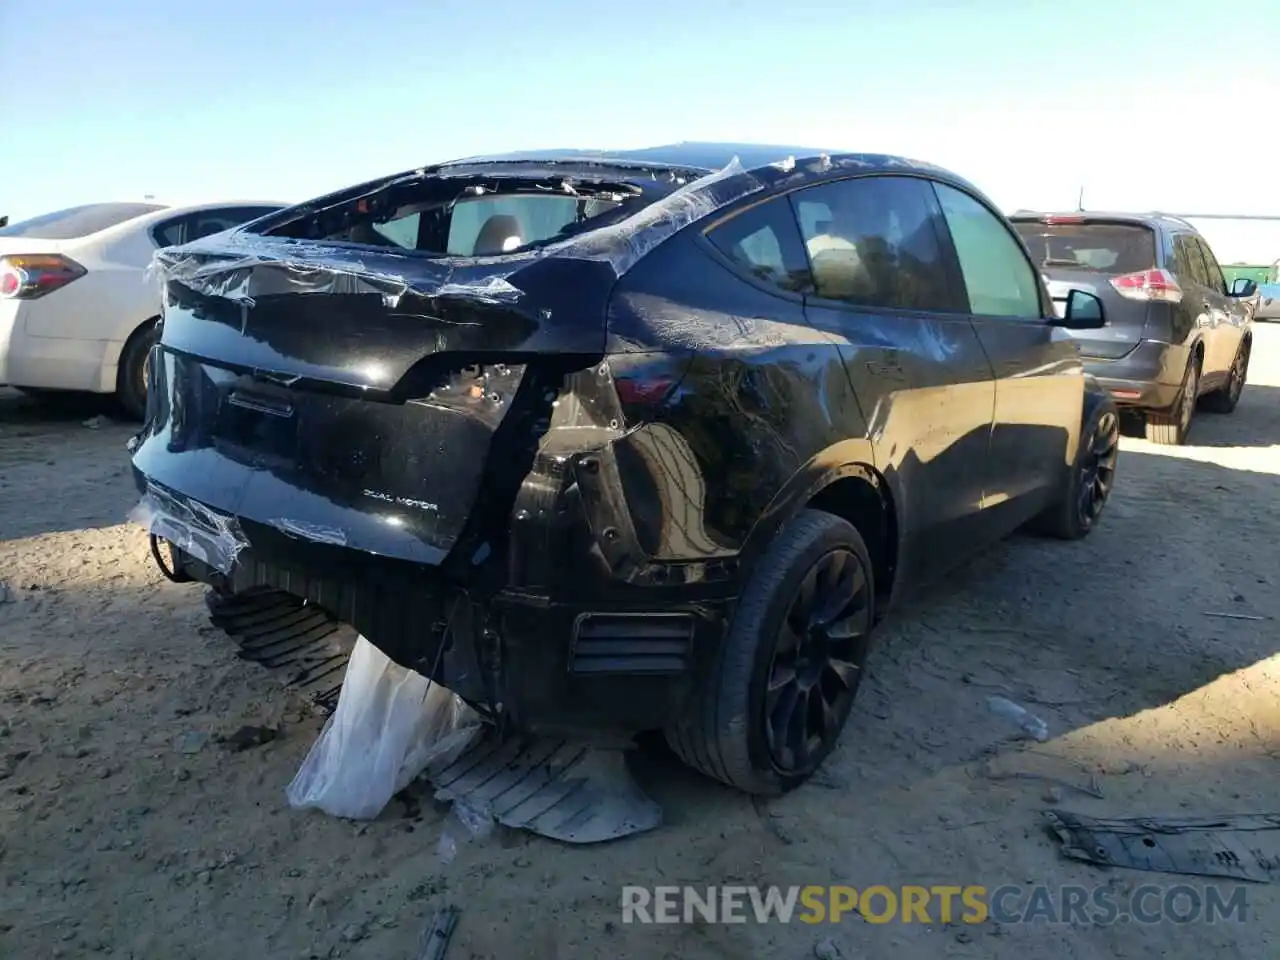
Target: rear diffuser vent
(631,643)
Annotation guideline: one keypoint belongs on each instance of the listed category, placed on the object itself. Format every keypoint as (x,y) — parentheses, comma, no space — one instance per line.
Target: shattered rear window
(483,218)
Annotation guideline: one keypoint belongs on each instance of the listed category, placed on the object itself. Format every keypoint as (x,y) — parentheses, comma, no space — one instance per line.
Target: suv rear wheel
(1092,476)
(1224,399)
(789,668)
(1170,427)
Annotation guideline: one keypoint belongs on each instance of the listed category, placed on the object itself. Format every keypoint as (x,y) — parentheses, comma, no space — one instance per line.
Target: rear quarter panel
(106,304)
(764,412)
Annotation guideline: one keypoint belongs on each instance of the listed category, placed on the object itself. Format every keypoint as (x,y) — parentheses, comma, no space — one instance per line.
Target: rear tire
(1224,399)
(1170,427)
(131,373)
(1092,477)
(789,667)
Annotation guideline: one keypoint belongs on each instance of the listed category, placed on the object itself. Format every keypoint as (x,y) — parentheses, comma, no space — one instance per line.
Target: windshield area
(443,217)
(1097,247)
(75,222)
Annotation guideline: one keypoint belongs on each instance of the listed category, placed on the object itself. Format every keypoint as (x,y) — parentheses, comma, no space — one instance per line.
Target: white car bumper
(51,363)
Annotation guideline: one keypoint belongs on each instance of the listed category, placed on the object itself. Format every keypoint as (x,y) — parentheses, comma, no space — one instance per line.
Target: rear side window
(1188,263)
(1216,280)
(997,276)
(874,241)
(1111,248)
(764,241)
(204,223)
(75,222)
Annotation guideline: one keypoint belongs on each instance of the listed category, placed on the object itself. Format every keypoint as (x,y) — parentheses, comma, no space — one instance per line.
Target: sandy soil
(127,829)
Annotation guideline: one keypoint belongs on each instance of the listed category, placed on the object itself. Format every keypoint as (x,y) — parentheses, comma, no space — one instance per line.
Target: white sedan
(78,311)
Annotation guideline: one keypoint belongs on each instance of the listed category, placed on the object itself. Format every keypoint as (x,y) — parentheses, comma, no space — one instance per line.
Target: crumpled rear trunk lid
(375,369)
(354,410)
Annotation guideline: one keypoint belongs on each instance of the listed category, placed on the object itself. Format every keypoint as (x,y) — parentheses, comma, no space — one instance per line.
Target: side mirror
(1243,287)
(1083,312)
(4,222)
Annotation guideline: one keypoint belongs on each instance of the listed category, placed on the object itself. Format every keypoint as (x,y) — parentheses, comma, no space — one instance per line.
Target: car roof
(176,209)
(702,157)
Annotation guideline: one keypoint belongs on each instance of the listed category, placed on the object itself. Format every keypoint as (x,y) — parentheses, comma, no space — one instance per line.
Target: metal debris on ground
(435,939)
(1243,847)
(1234,616)
(96,422)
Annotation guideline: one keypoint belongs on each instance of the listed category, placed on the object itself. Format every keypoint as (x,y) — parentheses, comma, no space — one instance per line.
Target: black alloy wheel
(1097,468)
(817,664)
(1239,372)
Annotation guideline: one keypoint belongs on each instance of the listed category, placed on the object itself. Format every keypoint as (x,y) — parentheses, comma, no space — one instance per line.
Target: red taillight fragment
(644,383)
(1148,285)
(26,276)
(645,392)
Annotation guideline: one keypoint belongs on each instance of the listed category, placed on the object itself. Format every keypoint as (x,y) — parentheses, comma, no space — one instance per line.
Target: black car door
(1039,386)
(885,295)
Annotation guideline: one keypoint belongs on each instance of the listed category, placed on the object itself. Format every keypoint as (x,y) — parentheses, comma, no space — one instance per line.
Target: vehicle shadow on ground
(1255,422)
(65,462)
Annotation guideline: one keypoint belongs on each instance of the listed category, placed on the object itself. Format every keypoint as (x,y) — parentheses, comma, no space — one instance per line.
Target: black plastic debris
(248,737)
(435,939)
(1243,847)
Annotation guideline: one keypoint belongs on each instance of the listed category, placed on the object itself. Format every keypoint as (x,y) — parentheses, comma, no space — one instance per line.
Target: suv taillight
(26,276)
(1149,285)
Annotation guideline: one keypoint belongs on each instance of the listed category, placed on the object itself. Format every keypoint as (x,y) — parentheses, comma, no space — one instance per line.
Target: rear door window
(999,279)
(1099,247)
(1188,261)
(76,222)
(876,242)
(1213,272)
(765,241)
(204,223)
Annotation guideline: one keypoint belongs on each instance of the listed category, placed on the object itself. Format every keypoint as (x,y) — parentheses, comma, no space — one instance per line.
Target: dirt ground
(127,829)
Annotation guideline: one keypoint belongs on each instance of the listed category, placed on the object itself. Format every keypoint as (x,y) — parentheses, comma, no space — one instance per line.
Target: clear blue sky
(1147,104)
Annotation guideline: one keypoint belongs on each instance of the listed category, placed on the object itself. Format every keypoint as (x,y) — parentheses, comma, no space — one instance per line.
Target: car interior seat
(499,234)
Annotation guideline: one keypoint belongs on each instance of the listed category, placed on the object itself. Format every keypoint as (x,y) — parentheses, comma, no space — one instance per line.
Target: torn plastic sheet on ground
(305,266)
(390,723)
(208,536)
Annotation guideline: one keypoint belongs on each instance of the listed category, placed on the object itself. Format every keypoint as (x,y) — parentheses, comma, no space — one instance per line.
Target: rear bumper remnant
(1148,377)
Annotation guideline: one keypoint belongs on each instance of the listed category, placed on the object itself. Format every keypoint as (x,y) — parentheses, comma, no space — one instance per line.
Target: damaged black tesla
(608,443)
